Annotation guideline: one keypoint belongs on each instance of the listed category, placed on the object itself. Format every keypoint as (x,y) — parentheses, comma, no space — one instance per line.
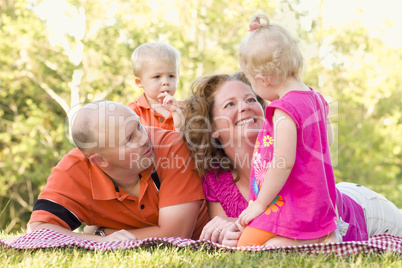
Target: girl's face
(237,115)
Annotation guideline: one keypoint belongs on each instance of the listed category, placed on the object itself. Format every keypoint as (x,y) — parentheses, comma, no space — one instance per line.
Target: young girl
(292,185)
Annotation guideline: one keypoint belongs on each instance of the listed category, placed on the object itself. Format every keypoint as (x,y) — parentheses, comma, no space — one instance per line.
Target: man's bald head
(91,123)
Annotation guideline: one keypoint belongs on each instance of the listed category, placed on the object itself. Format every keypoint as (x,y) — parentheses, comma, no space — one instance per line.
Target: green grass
(170,256)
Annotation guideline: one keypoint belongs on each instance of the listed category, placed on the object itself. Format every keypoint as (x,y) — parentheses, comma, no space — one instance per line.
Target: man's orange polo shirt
(150,117)
(78,191)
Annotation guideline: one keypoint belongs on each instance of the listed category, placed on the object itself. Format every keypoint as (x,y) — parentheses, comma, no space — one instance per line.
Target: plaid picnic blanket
(45,238)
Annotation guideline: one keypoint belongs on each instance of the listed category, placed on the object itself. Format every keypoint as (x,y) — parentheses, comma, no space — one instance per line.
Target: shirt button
(161,119)
(142,207)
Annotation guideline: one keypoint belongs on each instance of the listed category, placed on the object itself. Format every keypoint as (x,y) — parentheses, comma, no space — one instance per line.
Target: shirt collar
(103,187)
(143,102)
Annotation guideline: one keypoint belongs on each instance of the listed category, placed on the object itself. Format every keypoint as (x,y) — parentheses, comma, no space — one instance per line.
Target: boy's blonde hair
(154,51)
(270,50)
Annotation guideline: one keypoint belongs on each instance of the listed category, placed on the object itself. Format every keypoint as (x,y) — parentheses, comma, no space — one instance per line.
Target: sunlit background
(383,19)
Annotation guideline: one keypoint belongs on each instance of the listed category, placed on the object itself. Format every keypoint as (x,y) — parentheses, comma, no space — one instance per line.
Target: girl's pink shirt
(304,208)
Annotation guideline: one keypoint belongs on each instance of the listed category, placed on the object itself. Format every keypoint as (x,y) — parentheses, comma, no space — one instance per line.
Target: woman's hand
(215,229)
(232,235)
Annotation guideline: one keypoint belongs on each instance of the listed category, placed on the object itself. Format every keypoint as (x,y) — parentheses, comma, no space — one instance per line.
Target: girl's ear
(138,82)
(263,79)
(98,160)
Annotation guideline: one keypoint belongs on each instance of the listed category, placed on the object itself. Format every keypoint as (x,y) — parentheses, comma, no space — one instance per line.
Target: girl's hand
(253,210)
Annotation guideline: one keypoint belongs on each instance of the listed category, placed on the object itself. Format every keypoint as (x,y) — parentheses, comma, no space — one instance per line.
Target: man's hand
(116,236)
(120,235)
(90,229)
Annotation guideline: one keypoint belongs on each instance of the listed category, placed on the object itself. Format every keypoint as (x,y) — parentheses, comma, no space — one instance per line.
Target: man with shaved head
(130,181)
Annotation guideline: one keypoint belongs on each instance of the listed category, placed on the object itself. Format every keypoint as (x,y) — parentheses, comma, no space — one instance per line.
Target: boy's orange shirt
(150,117)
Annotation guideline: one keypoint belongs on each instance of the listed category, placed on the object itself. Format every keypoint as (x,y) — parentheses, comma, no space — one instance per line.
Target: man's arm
(116,236)
(174,221)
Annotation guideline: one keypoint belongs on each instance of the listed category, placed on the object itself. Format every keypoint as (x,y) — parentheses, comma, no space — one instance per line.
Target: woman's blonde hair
(154,51)
(270,50)
(206,151)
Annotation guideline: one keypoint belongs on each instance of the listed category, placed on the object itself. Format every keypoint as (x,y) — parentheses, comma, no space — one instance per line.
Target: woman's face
(237,115)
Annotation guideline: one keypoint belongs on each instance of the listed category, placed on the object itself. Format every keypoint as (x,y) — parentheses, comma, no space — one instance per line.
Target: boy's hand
(168,102)
(251,212)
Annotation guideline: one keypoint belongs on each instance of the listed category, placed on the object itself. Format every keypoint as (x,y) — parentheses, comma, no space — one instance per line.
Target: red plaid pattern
(45,238)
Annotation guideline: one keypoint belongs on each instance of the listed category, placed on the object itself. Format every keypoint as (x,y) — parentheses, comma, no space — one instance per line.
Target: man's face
(127,145)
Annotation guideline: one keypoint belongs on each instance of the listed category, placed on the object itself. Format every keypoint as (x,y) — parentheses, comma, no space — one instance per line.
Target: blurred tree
(31,128)
(360,74)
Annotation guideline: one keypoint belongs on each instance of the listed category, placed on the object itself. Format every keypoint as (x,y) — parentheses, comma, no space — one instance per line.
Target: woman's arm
(215,209)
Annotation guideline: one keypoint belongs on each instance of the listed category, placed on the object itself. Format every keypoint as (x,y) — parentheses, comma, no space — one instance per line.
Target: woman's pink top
(224,191)
(305,206)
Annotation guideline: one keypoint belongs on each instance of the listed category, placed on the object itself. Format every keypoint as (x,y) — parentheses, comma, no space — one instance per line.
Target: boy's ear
(138,82)
(98,160)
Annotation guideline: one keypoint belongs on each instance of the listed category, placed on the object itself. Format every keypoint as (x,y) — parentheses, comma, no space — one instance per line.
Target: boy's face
(157,78)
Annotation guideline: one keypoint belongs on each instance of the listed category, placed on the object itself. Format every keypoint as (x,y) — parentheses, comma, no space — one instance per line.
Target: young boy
(156,67)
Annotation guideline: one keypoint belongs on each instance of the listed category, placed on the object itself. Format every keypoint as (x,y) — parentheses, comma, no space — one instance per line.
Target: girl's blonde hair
(270,50)
(154,51)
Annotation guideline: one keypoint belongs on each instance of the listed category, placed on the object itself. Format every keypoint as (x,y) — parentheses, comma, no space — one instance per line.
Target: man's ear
(98,160)
(138,82)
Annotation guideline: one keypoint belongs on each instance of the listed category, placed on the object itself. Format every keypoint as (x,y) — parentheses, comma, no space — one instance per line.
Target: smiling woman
(238,112)
(215,116)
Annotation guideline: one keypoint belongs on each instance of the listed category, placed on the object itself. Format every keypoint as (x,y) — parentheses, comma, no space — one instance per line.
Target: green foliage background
(42,78)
